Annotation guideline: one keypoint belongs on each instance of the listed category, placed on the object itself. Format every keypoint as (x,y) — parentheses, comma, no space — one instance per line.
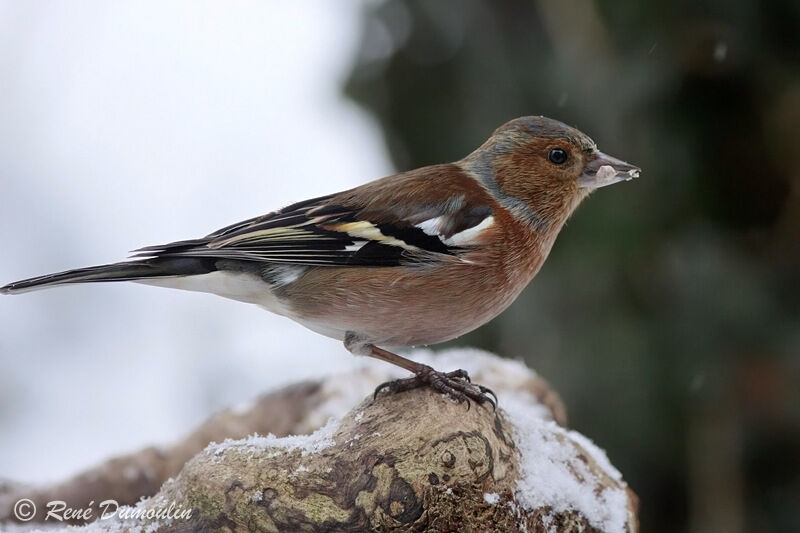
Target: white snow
(320,440)
(598,455)
(547,521)
(550,466)
(361,380)
(492,498)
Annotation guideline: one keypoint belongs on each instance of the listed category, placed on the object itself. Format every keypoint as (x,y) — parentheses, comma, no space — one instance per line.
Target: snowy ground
(128,124)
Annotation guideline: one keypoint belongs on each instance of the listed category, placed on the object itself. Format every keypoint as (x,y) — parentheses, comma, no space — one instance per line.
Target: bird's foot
(455,384)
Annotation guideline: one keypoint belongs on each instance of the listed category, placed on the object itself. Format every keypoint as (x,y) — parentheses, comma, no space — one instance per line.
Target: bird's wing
(367,226)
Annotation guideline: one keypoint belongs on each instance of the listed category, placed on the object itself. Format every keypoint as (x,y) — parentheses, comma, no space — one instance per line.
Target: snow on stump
(414,461)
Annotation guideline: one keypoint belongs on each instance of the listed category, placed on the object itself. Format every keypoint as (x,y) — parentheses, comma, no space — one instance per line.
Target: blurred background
(668,314)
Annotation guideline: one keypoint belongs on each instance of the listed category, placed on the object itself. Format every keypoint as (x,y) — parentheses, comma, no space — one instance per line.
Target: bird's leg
(456,384)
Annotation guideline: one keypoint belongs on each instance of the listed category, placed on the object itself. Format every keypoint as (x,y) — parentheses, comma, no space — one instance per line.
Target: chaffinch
(416,258)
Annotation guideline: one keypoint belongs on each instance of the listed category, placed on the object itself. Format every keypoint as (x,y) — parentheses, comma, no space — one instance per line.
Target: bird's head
(541,168)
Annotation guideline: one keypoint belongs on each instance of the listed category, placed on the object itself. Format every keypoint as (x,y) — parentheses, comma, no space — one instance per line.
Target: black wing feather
(318,233)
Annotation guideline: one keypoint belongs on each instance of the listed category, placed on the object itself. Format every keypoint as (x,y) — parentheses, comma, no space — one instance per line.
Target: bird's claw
(456,384)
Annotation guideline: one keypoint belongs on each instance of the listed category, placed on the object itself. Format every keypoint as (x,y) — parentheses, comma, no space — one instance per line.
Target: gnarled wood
(415,461)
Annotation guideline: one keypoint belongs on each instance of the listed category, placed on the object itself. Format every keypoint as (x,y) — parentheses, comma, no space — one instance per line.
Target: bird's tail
(125,271)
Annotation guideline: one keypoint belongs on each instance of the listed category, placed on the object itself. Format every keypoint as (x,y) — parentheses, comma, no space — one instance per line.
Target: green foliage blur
(668,313)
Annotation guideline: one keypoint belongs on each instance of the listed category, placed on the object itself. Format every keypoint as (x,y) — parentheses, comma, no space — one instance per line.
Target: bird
(416,258)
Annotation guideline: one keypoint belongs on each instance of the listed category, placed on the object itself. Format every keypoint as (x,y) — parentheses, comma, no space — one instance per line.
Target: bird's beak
(604,170)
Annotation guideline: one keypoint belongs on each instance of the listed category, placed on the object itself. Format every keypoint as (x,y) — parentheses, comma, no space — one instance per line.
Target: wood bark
(415,461)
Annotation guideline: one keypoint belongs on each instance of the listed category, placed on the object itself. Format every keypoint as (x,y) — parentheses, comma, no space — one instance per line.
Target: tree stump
(414,461)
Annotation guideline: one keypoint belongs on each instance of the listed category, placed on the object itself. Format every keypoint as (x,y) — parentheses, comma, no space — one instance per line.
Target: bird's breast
(407,306)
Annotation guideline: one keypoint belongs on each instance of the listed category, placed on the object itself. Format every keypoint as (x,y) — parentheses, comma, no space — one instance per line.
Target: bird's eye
(557,156)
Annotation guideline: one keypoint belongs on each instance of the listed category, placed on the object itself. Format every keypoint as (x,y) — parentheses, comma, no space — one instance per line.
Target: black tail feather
(125,271)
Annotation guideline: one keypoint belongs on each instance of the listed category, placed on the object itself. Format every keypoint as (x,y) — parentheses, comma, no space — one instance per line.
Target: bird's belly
(389,308)
(395,335)
(321,327)
(240,286)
